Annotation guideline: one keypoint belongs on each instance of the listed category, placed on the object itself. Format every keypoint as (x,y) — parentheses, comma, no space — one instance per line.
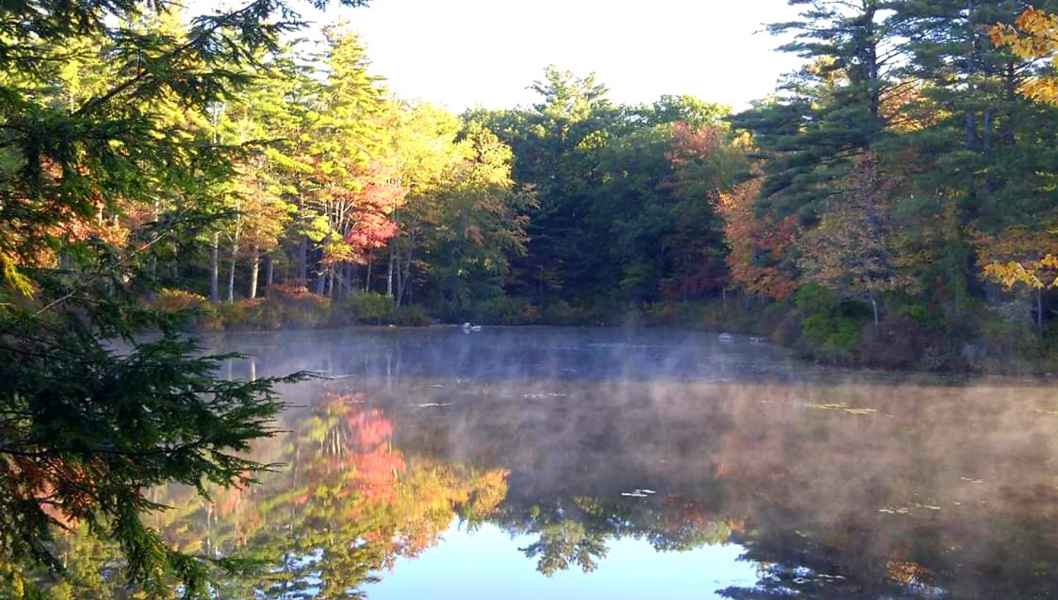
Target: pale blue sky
(464,53)
(487,565)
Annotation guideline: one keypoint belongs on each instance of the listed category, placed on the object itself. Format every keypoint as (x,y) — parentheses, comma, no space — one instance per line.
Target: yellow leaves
(854,248)
(595,140)
(1033,36)
(1020,256)
(1030,273)
(13,278)
(1011,273)
(1041,89)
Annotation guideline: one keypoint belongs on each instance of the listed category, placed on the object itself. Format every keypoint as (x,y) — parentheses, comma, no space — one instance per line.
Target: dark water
(564,463)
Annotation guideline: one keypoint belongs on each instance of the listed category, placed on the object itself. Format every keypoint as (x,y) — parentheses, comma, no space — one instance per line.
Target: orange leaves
(756,246)
(62,489)
(905,108)
(908,572)
(691,143)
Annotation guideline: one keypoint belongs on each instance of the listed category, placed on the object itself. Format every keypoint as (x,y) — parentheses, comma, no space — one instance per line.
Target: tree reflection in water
(877,488)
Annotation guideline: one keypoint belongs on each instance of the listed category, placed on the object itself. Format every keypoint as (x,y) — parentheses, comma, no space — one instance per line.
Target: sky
(486,563)
(470,53)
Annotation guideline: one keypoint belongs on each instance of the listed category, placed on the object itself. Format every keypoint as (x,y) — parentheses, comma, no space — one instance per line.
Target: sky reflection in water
(606,463)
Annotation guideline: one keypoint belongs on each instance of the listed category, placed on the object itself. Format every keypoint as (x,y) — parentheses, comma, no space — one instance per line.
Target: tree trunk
(303,262)
(1039,309)
(339,280)
(367,280)
(400,282)
(321,281)
(987,132)
(214,268)
(231,273)
(404,282)
(354,278)
(270,267)
(389,273)
(255,268)
(970,129)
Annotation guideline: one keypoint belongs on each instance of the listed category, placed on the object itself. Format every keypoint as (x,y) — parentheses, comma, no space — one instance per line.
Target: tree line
(908,167)
(343,190)
(902,179)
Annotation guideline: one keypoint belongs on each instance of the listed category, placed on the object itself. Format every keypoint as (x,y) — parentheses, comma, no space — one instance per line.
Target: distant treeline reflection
(835,490)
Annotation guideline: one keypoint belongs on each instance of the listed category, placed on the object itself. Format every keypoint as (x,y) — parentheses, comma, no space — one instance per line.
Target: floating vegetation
(844,407)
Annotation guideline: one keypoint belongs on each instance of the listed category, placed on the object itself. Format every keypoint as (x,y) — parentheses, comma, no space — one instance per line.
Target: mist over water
(611,463)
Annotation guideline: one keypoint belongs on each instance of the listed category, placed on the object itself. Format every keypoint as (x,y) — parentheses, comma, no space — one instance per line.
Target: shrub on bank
(831,327)
(192,307)
(505,310)
(411,316)
(294,306)
(177,301)
(236,315)
(289,307)
(368,308)
(560,313)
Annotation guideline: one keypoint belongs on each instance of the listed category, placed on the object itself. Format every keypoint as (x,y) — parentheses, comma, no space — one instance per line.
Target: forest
(890,201)
(890,204)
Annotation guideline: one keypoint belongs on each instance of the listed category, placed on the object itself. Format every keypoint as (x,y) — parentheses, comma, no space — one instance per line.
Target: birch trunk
(389,273)
(231,271)
(255,268)
(214,269)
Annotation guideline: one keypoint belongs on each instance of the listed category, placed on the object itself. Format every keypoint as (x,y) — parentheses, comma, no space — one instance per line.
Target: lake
(596,463)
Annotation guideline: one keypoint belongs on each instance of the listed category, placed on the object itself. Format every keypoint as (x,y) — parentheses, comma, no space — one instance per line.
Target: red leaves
(363,218)
(693,143)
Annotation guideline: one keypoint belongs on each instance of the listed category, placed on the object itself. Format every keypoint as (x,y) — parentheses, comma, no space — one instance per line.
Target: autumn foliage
(757,247)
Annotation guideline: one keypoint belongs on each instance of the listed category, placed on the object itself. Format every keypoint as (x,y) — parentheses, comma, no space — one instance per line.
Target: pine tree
(831,111)
(93,415)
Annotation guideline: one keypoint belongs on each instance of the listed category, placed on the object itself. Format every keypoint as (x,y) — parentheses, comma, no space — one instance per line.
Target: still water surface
(570,463)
